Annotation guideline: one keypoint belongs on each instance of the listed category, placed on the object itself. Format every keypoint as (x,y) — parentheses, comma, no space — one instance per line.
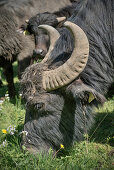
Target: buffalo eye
(38,106)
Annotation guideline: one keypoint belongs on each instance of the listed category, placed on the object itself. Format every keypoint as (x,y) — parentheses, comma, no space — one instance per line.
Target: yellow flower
(61,146)
(4,131)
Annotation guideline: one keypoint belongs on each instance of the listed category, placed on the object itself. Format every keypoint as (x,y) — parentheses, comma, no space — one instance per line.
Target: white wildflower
(6,95)
(4,143)
(11,130)
(24,132)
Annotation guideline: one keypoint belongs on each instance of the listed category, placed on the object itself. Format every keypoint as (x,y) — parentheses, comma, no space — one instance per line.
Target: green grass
(103,129)
(94,153)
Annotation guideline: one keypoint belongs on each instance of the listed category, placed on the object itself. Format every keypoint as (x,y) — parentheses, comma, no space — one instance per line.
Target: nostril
(37,51)
(38,106)
(40,51)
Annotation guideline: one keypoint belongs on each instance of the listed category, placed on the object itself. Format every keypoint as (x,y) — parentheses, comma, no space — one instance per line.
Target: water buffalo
(54,19)
(24,9)
(63,89)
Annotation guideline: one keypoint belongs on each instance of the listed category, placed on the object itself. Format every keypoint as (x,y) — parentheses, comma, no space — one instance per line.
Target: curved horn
(66,73)
(54,36)
(60,19)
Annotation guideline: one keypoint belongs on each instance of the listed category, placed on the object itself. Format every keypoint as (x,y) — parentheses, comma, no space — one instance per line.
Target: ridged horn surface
(66,73)
(54,36)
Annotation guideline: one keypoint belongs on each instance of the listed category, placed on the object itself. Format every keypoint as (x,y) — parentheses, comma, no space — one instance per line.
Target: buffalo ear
(61,19)
(22,29)
(26,32)
(78,88)
(91,97)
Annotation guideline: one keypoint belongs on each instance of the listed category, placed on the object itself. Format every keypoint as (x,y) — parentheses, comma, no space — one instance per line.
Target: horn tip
(67,23)
(27,21)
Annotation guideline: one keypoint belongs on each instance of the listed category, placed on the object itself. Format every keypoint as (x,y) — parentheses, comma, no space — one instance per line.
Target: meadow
(96,152)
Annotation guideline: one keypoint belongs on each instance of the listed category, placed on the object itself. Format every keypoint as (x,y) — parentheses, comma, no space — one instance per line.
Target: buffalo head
(41,37)
(58,110)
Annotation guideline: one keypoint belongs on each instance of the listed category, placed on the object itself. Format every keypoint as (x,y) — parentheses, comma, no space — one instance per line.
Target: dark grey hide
(58,117)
